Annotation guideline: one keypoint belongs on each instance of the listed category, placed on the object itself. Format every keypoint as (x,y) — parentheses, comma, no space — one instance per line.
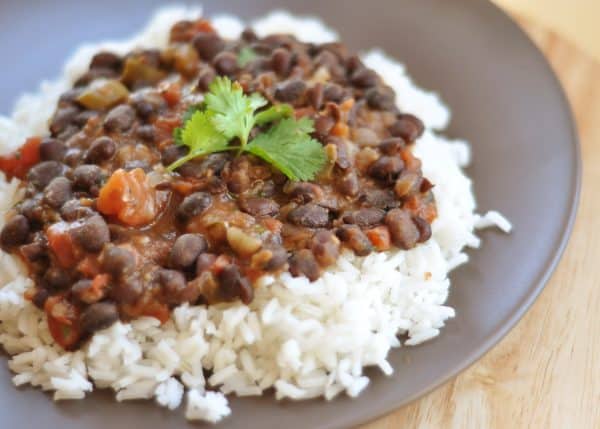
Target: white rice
(302,339)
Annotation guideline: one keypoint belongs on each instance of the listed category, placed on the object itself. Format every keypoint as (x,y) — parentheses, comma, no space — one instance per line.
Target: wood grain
(546,372)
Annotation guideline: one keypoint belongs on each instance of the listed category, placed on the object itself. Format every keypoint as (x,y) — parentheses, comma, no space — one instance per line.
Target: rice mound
(302,339)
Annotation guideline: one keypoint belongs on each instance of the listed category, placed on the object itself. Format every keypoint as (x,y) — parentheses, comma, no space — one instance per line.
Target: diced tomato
(204,26)
(61,244)
(165,125)
(62,321)
(380,237)
(418,207)
(128,196)
(411,162)
(340,130)
(18,163)
(97,290)
(171,92)
(89,266)
(148,307)
(221,262)
(272,224)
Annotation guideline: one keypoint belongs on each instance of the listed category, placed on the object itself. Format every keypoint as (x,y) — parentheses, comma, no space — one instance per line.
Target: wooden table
(546,372)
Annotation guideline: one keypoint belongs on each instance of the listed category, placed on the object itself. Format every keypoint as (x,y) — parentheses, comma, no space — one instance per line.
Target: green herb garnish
(228,114)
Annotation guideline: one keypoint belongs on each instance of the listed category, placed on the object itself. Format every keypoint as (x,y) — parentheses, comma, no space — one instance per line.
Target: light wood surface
(546,372)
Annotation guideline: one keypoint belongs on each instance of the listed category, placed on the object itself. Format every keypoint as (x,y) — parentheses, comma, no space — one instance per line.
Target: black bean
(15,231)
(193,205)
(426,185)
(119,119)
(303,192)
(392,146)
(208,45)
(57,192)
(409,127)
(232,285)
(225,63)
(93,234)
(147,103)
(380,100)
(146,133)
(174,286)
(386,168)
(383,199)
(40,297)
(277,257)
(325,247)
(407,184)
(101,149)
(363,78)
(303,263)
(127,290)
(249,35)
(57,278)
(333,92)
(259,207)
(69,96)
(44,172)
(98,316)
(73,156)
(33,251)
(205,78)
(423,227)
(364,217)
(315,96)
(186,249)
(355,239)
(82,118)
(354,63)
(32,209)
(204,262)
(290,90)
(403,231)
(52,149)
(106,60)
(86,176)
(72,210)
(62,118)
(172,153)
(309,215)
(348,184)
(281,61)
(118,261)
(323,125)
(342,157)
(84,291)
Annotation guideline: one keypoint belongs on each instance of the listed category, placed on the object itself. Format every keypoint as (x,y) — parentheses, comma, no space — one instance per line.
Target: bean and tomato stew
(108,233)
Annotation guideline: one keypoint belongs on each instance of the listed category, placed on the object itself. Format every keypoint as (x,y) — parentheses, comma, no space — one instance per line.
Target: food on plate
(227,208)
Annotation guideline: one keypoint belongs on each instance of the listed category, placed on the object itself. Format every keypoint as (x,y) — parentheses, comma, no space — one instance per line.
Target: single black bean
(62,118)
(193,205)
(380,198)
(407,184)
(259,207)
(303,263)
(364,78)
(118,261)
(315,96)
(423,227)
(379,99)
(44,172)
(281,61)
(186,249)
(333,92)
(72,210)
(204,262)
(86,176)
(392,146)
(101,149)
(15,231)
(52,149)
(208,45)
(342,158)
(408,126)
(323,125)
(277,259)
(119,119)
(249,35)
(403,231)
(40,297)
(146,133)
(348,184)
(73,156)
(232,285)
(386,168)
(205,78)
(173,284)
(82,118)
(57,192)
(127,289)
(147,103)
(325,247)
(57,278)
(364,217)
(225,63)
(32,209)
(106,60)
(93,233)
(172,153)
(83,290)
(303,192)
(98,316)
(309,215)
(290,90)
(354,63)
(34,251)
(355,239)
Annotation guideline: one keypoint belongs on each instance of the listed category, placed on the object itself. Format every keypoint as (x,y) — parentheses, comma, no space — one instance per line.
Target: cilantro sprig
(229,115)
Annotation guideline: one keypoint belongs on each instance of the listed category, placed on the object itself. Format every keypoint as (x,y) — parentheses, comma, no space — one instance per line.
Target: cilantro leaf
(201,136)
(234,111)
(289,148)
(274,113)
(246,55)
(186,117)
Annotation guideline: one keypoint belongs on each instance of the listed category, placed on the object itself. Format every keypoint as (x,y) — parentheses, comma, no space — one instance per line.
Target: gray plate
(504,99)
